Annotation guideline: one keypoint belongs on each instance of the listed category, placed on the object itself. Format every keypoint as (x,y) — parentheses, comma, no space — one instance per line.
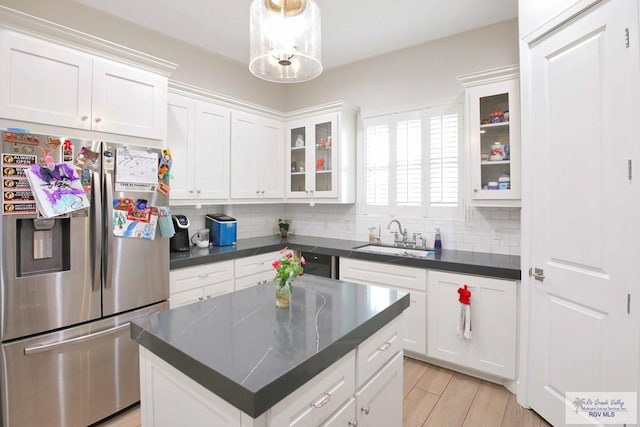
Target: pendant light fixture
(285,40)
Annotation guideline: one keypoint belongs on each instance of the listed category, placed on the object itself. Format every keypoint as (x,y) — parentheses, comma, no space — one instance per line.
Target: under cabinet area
(408,279)
(492,347)
(43,82)
(193,284)
(198,134)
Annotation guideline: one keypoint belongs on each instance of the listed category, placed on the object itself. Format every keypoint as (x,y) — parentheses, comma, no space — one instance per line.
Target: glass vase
(283,294)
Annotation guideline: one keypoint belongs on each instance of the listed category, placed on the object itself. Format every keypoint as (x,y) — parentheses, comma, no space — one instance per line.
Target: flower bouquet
(287,267)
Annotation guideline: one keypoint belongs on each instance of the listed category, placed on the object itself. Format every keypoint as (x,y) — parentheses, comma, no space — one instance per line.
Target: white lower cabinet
(382,392)
(193,284)
(408,279)
(316,400)
(254,270)
(330,399)
(492,347)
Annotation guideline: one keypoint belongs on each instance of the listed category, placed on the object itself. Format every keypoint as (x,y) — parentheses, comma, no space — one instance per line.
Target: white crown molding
(227,101)
(208,96)
(490,76)
(30,25)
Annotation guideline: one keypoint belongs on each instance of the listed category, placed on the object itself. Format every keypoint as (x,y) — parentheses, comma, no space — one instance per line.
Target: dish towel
(464,324)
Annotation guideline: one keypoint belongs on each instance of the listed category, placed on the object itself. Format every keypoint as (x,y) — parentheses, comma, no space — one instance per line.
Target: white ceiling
(351,29)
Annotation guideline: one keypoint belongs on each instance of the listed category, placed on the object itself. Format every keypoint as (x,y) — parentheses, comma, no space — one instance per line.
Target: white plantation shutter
(409,162)
(377,165)
(443,160)
(398,175)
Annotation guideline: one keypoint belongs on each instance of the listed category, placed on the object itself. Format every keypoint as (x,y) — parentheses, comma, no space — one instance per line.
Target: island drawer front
(255,264)
(196,277)
(266,277)
(315,401)
(377,273)
(377,350)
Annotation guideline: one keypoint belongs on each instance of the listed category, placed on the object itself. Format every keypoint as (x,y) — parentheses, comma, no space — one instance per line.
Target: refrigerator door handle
(54,345)
(108,214)
(96,218)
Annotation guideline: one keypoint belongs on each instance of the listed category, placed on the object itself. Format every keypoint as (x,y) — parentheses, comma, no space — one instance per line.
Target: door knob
(537,274)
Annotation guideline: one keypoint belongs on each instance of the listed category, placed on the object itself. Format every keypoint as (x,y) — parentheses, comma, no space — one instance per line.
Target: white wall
(415,76)
(196,66)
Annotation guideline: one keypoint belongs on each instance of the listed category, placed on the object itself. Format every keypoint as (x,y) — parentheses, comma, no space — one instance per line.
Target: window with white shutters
(412,161)
(443,160)
(377,165)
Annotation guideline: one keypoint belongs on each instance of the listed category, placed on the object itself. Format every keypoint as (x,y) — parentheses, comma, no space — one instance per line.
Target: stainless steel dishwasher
(321,265)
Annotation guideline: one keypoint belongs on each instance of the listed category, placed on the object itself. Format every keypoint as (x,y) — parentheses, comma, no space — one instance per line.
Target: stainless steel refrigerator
(69,289)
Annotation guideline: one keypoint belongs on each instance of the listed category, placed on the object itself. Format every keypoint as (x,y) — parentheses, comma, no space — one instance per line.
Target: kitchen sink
(393,250)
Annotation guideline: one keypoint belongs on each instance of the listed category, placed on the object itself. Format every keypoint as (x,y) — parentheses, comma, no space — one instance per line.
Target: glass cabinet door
(323,157)
(298,147)
(494,135)
(495,160)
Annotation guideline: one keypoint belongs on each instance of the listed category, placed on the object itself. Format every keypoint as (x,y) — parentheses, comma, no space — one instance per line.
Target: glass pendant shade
(285,40)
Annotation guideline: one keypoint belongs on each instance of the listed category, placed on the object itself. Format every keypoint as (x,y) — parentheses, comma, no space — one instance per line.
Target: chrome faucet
(400,230)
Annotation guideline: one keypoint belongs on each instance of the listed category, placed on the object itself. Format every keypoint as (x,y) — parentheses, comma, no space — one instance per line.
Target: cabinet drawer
(255,264)
(379,401)
(264,278)
(187,297)
(372,354)
(312,403)
(202,275)
(374,273)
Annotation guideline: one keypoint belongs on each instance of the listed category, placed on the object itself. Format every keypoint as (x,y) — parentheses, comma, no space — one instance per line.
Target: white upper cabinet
(257,157)
(43,82)
(320,147)
(198,134)
(493,135)
(128,101)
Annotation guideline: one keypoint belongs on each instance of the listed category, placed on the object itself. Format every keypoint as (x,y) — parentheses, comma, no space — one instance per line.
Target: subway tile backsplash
(493,230)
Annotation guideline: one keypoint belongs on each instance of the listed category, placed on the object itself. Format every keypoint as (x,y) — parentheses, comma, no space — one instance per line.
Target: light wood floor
(434,396)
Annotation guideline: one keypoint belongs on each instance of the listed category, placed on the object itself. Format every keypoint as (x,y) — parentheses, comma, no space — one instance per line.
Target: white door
(212,142)
(181,141)
(272,160)
(128,100)
(245,165)
(581,337)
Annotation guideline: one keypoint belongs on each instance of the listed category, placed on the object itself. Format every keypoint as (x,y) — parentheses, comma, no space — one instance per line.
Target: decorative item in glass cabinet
(285,42)
(288,267)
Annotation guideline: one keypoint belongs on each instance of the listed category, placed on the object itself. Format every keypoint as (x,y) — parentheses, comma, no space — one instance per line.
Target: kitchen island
(237,360)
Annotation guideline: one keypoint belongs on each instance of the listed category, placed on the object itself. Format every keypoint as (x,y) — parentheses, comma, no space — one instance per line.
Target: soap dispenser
(437,244)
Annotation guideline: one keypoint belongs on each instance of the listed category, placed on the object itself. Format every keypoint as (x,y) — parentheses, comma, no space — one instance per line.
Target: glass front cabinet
(312,154)
(493,126)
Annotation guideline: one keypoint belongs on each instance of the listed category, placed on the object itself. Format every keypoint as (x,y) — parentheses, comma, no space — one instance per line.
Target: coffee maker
(180,241)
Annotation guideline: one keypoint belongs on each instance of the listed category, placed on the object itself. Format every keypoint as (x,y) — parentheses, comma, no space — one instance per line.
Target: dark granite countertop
(252,354)
(484,264)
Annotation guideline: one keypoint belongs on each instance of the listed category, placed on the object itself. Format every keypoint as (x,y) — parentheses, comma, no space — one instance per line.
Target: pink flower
(302,260)
(283,250)
(289,255)
(276,264)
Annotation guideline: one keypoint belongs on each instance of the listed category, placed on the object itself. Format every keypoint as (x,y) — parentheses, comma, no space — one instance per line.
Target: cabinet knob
(190,191)
(352,424)
(257,191)
(475,190)
(84,118)
(208,296)
(365,410)
(198,191)
(98,119)
(262,191)
(200,298)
